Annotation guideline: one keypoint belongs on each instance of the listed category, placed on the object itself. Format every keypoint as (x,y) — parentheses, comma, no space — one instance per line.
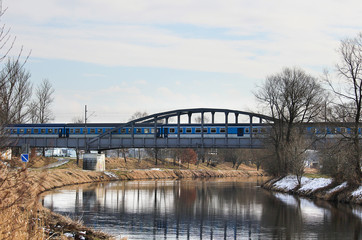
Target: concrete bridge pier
(94,161)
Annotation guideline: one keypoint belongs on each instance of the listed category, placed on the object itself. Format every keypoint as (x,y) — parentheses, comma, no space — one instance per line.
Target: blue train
(140,130)
(162,130)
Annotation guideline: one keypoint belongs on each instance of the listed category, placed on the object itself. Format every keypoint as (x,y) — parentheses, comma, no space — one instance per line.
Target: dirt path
(60,162)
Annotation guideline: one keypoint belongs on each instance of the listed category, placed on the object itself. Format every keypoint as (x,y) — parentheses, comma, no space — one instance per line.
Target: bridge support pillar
(94,161)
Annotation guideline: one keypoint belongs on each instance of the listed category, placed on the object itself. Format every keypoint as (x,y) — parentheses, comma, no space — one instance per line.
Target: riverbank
(59,227)
(321,188)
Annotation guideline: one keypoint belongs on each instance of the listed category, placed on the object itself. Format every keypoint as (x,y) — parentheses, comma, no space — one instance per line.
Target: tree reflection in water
(204,209)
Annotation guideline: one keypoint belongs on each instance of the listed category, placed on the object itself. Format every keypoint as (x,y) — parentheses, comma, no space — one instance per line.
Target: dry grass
(132,164)
(22,217)
(56,226)
(18,205)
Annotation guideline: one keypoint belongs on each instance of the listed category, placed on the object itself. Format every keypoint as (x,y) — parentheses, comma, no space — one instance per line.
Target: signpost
(25,157)
(25,153)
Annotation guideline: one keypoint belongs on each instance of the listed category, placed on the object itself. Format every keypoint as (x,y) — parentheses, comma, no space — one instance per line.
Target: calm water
(204,209)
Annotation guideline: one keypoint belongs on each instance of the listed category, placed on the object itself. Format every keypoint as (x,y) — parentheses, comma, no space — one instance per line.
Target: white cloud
(250,38)
(264,35)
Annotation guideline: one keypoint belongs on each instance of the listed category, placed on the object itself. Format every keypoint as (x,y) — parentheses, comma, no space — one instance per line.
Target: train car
(139,130)
(36,130)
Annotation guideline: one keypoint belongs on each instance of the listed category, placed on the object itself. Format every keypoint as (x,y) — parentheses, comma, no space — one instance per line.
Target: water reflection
(190,209)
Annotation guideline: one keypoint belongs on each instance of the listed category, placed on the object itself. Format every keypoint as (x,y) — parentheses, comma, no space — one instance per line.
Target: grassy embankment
(22,217)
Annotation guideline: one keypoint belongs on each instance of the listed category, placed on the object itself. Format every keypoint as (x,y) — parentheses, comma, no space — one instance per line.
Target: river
(203,209)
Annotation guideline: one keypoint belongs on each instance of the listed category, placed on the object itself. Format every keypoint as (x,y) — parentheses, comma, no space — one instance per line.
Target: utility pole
(85,129)
(85,126)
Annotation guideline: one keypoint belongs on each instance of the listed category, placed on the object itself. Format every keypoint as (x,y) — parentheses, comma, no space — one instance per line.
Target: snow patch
(314,184)
(289,183)
(111,175)
(69,235)
(156,169)
(307,184)
(339,187)
(357,193)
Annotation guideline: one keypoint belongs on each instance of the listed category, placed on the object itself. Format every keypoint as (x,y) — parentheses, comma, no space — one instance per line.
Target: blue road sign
(25,157)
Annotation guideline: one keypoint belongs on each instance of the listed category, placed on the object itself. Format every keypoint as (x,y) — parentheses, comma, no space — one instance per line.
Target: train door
(240,132)
(63,132)
(165,132)
(67,132)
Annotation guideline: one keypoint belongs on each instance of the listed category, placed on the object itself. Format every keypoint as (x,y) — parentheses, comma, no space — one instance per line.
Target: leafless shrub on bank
(335,161)
(292,98)
(348,98)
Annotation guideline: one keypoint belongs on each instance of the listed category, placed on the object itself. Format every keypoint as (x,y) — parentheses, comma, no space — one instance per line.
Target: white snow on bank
(339,187)
(109,174)
(289,182)
(314,184)
(357,193)
(307,184)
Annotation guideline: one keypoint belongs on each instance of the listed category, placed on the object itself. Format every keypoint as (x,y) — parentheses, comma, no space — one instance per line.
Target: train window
(77,130)
(188,130)
(255,130)
(146,130)
(313,130)
(21,130)
(181,130)
(36,131)
(204,130)
(56,130)
(71,130)
(138,130)
(51,130)
(198,130)
(246,130)
(262,130)
(123,130)
(222,130)
(42,130)
(343,130)
(333,130)
(172,130)
(322,130)
(28,131)
(92,130)
(152,130)
(213,130)
(100,130)
(85,131)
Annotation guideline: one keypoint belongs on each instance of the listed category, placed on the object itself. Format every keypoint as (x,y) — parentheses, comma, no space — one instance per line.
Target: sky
(118,57)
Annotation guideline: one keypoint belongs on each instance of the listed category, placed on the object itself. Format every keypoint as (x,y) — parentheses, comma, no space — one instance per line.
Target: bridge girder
(157,117)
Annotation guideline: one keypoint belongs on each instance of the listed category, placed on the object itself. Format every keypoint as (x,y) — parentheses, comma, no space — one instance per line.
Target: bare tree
(137,115)
(291,97)
(15,87)
(15,92)
(41,112)
(349,97)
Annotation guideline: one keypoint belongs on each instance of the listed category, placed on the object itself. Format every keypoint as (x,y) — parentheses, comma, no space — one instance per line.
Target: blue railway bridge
(171,129)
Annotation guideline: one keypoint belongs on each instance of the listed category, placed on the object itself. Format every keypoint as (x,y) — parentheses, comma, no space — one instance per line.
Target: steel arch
(157,117)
